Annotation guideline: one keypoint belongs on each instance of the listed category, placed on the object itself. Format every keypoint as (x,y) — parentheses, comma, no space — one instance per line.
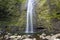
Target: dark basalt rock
(45,39)
(58,37)
(58,13)
(40,28)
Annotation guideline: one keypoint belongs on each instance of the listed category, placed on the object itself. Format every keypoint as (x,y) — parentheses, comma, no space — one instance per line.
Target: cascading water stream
(29,25)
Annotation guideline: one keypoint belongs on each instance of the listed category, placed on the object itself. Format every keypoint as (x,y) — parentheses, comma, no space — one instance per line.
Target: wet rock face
(56,26)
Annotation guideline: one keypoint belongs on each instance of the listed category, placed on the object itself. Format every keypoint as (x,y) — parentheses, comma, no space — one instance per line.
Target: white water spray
(30,7)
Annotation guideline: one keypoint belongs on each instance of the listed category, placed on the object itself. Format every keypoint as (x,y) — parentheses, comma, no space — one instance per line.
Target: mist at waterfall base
(30,10)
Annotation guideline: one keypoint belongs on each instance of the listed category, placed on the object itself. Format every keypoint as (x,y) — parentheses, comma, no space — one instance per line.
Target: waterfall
(30,10)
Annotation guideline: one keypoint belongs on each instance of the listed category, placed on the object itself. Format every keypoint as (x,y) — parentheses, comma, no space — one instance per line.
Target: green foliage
(46,12)
(9,11)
